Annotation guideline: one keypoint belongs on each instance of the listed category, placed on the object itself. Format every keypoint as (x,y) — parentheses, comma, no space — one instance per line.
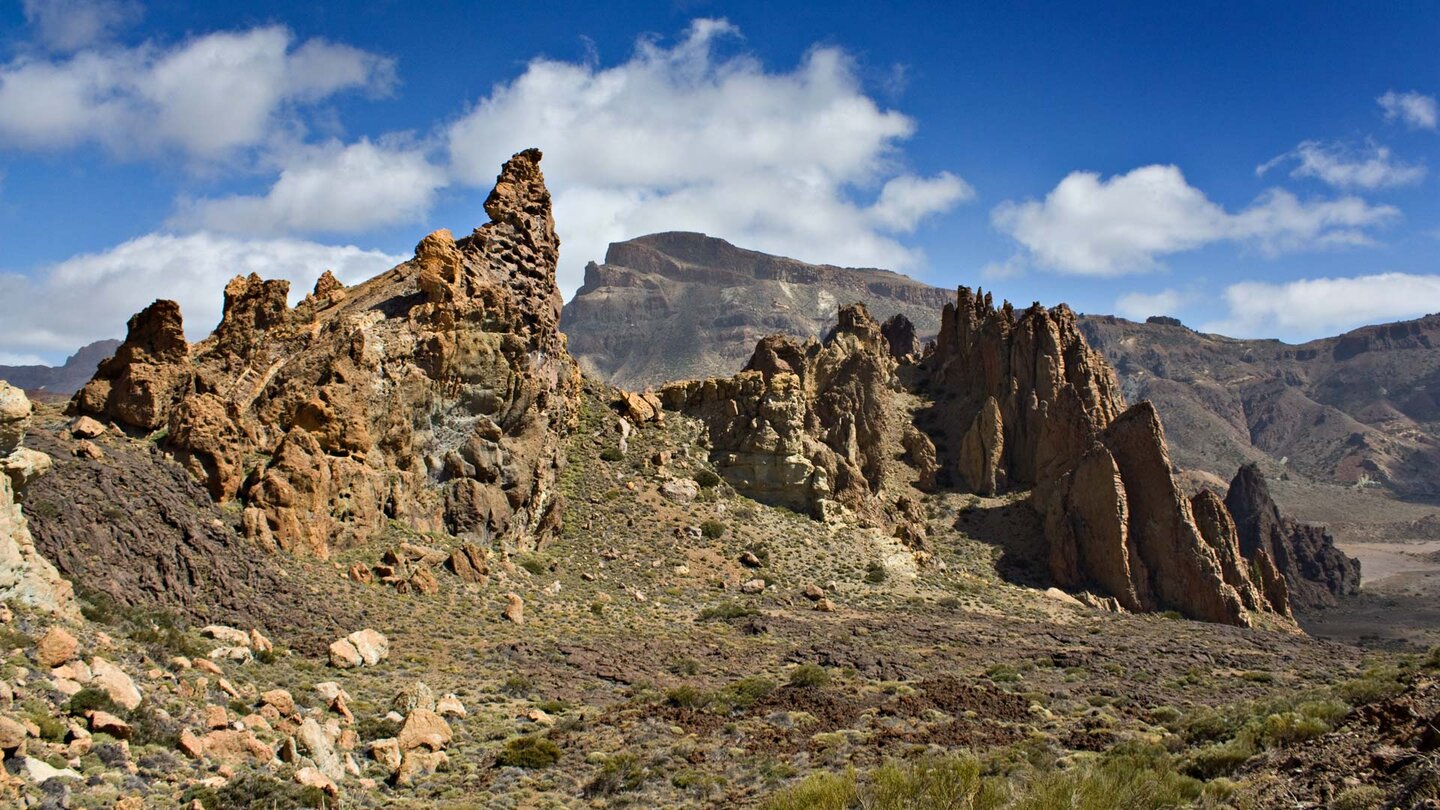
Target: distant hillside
(1363,406)
(60,381)
(676,305)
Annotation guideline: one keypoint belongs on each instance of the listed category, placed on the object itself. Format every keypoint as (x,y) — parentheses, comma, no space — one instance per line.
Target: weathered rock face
(435,394)
(1021,401)
(677,306)
(1313,569)
(1254,577)
(25,575)
(806,425)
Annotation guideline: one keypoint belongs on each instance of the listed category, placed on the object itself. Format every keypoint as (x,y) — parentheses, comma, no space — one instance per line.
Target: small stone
(825,606)
(86,428)
(813,592)
(749,560)
(313,778)
(107,723)
(190,745)
(12,735)
(216,717)
(281,699)
(343,655)
(450,706)
(90,450)
(206,665)
(386,752)
(752,586)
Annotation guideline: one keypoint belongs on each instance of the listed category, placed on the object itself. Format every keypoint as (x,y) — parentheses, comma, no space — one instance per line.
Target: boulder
(514,608)
(56,647)
(424,728)
(107,723)
(415,696)
(115,682)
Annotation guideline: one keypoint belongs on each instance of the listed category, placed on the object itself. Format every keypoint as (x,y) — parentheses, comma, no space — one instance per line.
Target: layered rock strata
(435,394)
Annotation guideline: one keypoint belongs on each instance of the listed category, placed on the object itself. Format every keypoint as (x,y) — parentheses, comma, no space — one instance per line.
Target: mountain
(64,380)
(1362,408)
(677,305)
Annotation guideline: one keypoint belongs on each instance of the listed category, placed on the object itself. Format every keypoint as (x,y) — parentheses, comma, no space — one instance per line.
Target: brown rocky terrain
(675,306)
(454,573)
(436,394)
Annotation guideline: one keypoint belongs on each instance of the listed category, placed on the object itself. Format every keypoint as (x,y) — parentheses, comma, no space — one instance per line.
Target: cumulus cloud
(331,188)
(1309,307)
(205,97)
(1092,226)
(1343,167)
(1414,109)
(90,297)
(69,25)
(1138,306)
(685,138)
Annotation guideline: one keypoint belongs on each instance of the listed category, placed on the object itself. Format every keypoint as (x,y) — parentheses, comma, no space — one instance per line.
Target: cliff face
(1315,571)
(674,306)
(436,394)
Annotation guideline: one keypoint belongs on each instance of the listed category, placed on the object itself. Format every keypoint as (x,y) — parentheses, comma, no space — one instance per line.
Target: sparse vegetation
(733,609)
(531,751)
(809,676)
(713,529)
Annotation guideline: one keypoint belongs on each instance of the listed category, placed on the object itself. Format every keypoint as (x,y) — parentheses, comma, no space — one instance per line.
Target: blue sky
(1259,169)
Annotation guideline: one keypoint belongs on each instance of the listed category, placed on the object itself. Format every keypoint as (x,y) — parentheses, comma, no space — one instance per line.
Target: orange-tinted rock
(436,394)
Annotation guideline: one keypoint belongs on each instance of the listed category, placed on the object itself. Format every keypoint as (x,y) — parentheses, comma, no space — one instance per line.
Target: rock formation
(1313,569)
(808,425)
(25,575)
(435,394)
(676,306)
(1022,401)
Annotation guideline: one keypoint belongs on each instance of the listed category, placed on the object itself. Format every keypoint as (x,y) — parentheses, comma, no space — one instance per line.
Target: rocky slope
(63,380)
(674,306)
(436,394)
(1362,407)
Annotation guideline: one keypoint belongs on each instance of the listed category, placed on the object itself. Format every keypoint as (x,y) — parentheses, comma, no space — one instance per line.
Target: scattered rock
(84,427)
(450,706)
(415,696)
(115,682)
(813,592)
(752,586)
(749,560)
(107,723)
(424,728)
(680,490)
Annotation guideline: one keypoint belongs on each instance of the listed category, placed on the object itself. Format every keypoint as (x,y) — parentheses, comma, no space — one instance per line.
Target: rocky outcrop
(1022,401)
(677,306)
(1254,577)
(436,394)
(26,576)
(1315,571)
(809,426)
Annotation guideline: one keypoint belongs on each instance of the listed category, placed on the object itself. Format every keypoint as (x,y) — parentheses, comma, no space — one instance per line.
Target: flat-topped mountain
(677,305)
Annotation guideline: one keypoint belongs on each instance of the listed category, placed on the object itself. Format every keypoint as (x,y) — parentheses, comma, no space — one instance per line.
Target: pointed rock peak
(327,284)
(251,303)
(520,196)
(155,334)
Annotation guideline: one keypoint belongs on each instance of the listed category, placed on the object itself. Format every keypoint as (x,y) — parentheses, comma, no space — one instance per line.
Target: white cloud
(1092,226)
(206,97)
(1139,306)
(1415,109)
(91,296)
(683,138)
(1321,306)
(906,200)
(331,188)
(69,25)
(1342,167)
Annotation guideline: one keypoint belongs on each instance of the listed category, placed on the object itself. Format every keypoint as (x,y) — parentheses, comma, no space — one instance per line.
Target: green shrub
(621,773)
(809,676)
(612,454)
(516,686)
(688,697)
(51,728)
(707,479)
(932,783)
(90,699)
(818,791)
(1003,673)
(255,791)
(1219,759)
(875,573)
(531,751)
(533,564)
(728,610)
(745,692)
(712,529)
(1360,797)
(1375,685)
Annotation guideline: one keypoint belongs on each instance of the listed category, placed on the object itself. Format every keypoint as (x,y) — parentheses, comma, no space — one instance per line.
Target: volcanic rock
(436,394)
(1315,571)
(26,575)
